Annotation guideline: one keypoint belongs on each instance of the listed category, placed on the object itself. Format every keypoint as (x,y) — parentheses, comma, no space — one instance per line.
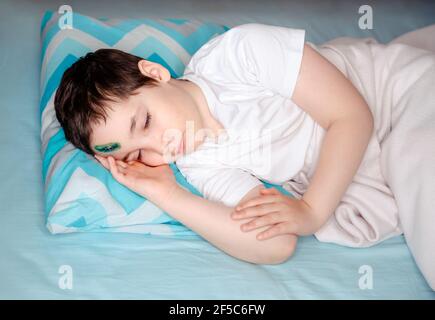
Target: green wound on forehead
(109,147)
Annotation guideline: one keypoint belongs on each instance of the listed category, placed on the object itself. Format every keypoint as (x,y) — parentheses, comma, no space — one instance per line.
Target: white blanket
(393,191)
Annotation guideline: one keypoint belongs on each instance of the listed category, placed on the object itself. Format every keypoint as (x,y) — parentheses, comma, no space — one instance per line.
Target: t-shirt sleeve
(225,185)
(257,54)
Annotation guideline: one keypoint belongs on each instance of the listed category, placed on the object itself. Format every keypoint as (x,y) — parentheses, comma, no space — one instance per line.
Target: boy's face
(161,115)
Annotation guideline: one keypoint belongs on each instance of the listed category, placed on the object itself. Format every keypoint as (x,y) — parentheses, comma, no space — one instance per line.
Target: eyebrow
(132,124)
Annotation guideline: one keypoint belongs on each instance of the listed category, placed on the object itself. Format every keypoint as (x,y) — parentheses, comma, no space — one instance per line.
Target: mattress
(33,263)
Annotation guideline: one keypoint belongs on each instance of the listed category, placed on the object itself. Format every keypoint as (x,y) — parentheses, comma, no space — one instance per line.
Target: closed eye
(147,121)
(146,125)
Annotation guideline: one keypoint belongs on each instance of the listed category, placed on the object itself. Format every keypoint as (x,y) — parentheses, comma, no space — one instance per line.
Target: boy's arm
(333,102)
(212,221)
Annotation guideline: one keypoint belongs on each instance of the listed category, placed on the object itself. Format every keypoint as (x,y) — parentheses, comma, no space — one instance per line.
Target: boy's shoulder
(223,46)
(238,33)
(249,28)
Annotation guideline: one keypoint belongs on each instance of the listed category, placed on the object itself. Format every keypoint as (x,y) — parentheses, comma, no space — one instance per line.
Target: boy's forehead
(113,134)
(111,130)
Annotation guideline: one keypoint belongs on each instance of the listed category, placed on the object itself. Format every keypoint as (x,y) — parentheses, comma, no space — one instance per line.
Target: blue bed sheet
(132,266)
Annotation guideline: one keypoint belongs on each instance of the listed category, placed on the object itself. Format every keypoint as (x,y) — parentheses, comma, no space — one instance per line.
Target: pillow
(80,194)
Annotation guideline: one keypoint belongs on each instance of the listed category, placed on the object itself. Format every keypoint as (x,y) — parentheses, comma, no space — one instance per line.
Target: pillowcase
(80,194)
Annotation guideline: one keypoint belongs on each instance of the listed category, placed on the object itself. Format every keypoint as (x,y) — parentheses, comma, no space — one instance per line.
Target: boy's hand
(157,184)
(285,215)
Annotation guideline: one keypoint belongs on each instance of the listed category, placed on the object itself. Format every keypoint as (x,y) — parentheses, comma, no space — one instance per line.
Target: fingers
(273,231)
(258,210)
(241,209)
(103,161)
(115,170)
(112,166)
(261,199)
(121,163)
(269,219)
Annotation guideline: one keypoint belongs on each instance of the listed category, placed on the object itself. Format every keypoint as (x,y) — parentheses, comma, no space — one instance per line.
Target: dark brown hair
(98,77)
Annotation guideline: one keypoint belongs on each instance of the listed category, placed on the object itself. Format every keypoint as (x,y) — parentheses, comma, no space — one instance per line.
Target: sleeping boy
(254,103)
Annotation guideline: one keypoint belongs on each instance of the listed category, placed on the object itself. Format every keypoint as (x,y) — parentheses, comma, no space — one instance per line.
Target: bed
(33,262)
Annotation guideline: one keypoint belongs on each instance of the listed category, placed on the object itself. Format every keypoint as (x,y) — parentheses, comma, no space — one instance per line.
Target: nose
(157,151)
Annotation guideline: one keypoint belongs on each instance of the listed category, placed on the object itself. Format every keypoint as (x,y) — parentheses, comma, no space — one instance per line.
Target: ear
(154,70)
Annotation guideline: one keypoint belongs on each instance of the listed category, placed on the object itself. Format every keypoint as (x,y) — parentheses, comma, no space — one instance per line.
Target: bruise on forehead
(108,147)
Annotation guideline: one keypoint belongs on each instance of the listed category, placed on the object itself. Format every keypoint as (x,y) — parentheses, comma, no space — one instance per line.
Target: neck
(200,100)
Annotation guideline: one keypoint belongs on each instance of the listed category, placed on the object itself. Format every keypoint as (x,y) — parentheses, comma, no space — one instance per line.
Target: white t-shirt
(248,75)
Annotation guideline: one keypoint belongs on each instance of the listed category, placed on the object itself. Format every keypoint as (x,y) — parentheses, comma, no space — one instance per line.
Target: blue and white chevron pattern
(80,195)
